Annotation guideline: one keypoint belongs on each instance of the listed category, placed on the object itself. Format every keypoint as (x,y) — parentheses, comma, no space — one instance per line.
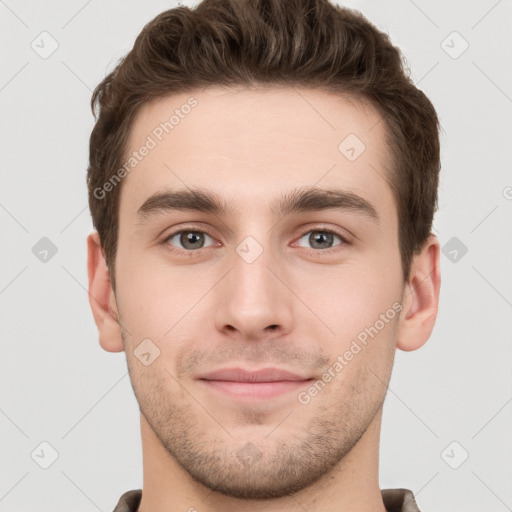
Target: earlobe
(101,297)
(421,297)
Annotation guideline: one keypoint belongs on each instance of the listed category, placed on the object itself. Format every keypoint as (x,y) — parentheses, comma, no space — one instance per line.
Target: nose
(254,302)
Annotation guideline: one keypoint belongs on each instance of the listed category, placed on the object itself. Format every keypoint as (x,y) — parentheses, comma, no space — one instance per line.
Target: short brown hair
(309,43)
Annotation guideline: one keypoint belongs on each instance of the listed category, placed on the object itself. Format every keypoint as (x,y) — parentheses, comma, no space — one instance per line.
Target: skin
(215,309)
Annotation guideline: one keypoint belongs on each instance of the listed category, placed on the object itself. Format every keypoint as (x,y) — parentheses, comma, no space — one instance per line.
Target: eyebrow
(295,201)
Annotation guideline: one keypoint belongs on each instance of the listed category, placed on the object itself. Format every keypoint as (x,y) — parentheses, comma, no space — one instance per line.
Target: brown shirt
(395,500)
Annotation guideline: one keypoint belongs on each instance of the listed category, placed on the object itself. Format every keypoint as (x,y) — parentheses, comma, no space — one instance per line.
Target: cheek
(352,294)
(151,302)
(360,305)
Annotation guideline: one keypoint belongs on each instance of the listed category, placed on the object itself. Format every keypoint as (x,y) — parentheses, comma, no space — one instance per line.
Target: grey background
(58,386)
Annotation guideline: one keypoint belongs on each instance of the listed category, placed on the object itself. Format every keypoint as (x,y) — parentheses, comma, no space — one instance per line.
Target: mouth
(260,384)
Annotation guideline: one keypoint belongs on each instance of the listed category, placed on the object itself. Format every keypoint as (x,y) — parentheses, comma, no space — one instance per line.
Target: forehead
(253,145)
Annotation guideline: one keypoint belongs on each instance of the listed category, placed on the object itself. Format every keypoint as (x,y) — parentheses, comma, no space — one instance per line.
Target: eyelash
(312,252)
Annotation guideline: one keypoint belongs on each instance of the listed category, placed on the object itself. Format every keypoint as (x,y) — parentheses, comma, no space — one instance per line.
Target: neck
(351,484)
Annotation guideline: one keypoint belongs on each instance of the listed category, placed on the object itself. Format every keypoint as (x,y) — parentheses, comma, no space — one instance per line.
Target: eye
(189,239)
(322,239)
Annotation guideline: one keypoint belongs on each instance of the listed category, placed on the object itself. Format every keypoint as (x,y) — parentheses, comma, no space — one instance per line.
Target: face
(258,275)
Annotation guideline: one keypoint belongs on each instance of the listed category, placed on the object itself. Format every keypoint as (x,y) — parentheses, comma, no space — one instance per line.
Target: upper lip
(263,375)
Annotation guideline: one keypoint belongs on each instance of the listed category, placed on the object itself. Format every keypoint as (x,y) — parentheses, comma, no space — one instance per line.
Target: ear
(102,298)
(421,297)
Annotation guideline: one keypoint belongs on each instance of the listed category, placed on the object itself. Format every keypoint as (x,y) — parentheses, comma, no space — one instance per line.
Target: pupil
(190,238)
(321,236)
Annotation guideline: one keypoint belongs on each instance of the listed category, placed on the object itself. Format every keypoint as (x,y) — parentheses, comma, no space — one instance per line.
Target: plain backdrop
(447,421)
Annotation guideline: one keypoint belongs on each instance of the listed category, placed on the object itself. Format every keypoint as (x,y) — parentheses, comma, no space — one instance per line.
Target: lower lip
(255,389)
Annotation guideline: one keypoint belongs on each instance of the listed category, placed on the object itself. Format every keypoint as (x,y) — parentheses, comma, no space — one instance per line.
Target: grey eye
(320,239)
(189,240)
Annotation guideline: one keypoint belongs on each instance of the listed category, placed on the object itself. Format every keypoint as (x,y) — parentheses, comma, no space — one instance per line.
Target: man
(263,177)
